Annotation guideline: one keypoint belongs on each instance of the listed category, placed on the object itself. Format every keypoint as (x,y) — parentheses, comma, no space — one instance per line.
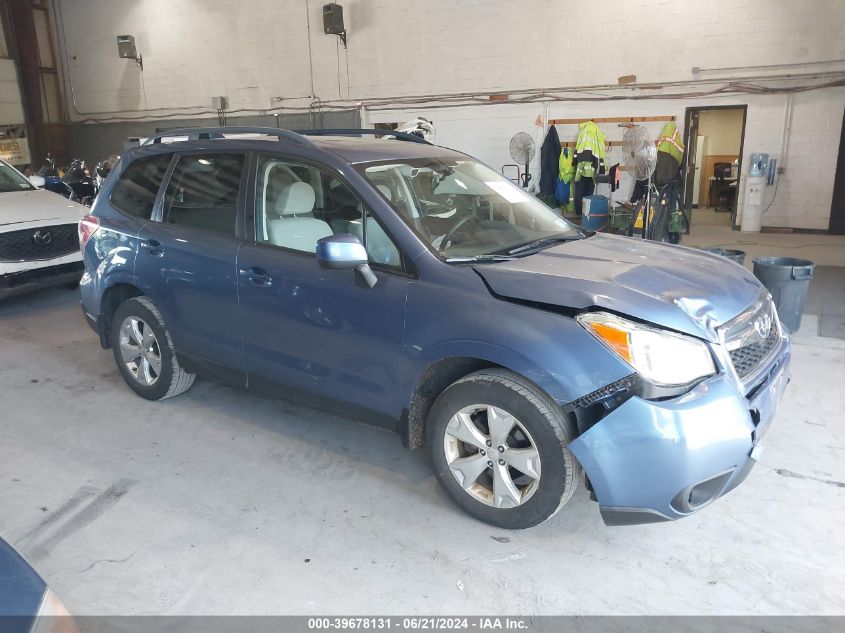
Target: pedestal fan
(522,149)
(641,159)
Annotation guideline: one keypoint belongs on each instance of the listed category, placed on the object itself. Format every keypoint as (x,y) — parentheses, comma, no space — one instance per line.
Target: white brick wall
(11,107)
(253,50)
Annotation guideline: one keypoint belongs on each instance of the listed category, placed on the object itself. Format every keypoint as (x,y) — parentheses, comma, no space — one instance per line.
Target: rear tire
(144,353)
(485,425)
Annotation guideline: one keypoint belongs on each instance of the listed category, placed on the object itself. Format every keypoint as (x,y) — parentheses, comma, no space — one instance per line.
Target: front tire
(143,351)
(499,449)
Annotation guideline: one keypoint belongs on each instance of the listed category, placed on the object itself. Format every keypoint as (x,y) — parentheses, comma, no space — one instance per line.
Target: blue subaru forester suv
(413,287)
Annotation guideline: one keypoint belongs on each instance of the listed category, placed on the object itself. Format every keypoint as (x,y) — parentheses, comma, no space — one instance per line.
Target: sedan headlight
(661,357)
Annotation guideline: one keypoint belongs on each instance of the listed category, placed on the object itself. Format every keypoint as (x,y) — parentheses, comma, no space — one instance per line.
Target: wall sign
(14,147)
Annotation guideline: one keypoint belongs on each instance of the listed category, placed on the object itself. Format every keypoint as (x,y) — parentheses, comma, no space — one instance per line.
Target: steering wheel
(447,239)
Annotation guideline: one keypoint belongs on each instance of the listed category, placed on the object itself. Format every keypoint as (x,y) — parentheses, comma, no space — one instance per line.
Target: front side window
(12,180)
(136,189)
(297,205)
(464,209)
(203,192)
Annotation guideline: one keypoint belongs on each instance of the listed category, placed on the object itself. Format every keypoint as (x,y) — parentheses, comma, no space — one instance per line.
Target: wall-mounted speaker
(333,19)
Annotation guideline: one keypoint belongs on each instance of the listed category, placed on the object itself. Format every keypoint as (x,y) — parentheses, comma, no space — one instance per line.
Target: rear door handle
(257,276)
(153,247)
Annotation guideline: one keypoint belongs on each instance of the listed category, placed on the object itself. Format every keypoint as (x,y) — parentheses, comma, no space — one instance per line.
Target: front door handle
(257,276)
(153,247)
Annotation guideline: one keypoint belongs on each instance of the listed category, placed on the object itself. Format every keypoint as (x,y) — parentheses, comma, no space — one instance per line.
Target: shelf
(607,143)
(613,119)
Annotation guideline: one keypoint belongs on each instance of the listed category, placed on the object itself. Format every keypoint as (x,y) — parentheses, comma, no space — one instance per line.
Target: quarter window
(203,192)
(136,190)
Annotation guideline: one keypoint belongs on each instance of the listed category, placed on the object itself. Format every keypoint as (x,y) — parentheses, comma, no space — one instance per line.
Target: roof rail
(200,133)
(400,136)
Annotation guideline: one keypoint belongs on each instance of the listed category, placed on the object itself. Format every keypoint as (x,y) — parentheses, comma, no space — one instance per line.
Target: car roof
(351,149)
(365,150)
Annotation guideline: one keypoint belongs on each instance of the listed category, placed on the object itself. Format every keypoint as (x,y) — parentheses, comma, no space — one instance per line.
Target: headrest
(295,199)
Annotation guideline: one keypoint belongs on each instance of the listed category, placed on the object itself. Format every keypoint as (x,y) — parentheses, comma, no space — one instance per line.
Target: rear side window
(203,192)
(136,190)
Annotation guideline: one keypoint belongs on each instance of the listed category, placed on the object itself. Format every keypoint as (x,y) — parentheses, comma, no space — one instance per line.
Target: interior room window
(136,190)
(298,205)
(203,192)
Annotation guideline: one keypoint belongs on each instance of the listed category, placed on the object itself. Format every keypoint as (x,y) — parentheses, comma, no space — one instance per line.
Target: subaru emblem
(763,325)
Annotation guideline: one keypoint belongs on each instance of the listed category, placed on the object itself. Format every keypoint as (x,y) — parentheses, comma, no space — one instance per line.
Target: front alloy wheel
(499,448)
(492,456)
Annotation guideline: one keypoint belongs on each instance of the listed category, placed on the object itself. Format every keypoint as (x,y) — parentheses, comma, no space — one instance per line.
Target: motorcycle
(78,177)
(52,180)
(75,181)
(103,169)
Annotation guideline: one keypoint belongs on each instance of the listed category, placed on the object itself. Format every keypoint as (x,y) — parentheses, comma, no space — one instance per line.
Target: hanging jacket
(565,165)
(590,137)
(549,156)
(670,141)
(589,150)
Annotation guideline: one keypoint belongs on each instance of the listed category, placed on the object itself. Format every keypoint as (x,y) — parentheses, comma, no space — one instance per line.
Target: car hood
(679,288)
(39,205)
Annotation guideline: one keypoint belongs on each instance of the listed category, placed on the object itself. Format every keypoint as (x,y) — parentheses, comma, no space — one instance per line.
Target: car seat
(291,230)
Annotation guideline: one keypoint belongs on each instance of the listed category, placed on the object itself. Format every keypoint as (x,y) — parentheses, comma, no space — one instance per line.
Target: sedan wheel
(492,456)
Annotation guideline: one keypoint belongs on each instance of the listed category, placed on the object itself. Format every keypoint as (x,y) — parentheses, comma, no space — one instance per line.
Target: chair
(725,192)
(291,231)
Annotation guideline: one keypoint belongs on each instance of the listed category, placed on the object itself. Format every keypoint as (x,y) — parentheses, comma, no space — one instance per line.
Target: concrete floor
(221,502)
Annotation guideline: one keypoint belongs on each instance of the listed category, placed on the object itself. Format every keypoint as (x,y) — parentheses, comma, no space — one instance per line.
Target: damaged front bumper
(650,461)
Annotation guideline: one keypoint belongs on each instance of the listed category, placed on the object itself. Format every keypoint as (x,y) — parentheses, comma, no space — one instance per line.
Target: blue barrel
(596,213)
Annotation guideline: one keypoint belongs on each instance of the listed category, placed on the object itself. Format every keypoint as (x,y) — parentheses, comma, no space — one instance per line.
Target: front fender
(549,349)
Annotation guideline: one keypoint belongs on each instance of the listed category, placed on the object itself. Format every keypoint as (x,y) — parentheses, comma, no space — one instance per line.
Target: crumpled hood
(38,205)
(679,288)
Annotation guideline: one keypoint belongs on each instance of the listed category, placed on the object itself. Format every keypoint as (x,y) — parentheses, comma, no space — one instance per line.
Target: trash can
(787,279)
(733,255)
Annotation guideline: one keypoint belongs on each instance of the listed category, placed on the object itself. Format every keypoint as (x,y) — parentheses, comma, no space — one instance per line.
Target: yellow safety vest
(670,141)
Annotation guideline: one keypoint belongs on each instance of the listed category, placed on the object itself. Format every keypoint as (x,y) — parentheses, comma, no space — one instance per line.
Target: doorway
(712,169)
(836,224)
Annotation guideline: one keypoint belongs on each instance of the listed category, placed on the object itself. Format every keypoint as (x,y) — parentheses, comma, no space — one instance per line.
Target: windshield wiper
(542,243)
(478,259)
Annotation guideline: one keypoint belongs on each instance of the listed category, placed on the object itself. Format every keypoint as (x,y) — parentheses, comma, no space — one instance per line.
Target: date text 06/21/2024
(421,623)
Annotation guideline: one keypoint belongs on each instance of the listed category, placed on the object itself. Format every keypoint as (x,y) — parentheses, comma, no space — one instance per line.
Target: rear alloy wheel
(498,445)
(140,350)
(143,351)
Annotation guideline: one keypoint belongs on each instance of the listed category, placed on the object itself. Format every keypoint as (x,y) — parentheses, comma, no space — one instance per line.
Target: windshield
(464,209)
(12,180)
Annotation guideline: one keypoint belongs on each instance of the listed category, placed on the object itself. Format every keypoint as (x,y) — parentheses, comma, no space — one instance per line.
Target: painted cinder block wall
(255,52)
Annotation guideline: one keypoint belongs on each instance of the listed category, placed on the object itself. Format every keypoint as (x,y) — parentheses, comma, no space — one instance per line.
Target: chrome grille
(37,243)
(752,337)
(749,357)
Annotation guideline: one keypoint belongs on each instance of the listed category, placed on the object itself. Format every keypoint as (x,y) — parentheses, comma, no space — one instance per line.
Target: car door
(187,257)
(313,329)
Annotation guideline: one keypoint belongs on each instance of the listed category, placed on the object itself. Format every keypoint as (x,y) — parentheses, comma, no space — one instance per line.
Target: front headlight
(661,357)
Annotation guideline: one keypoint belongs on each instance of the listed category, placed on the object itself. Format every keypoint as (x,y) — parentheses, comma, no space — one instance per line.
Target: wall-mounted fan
(522,149)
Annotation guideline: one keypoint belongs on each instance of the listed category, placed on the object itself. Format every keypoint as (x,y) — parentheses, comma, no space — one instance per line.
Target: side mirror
(345,252)
(37,181)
